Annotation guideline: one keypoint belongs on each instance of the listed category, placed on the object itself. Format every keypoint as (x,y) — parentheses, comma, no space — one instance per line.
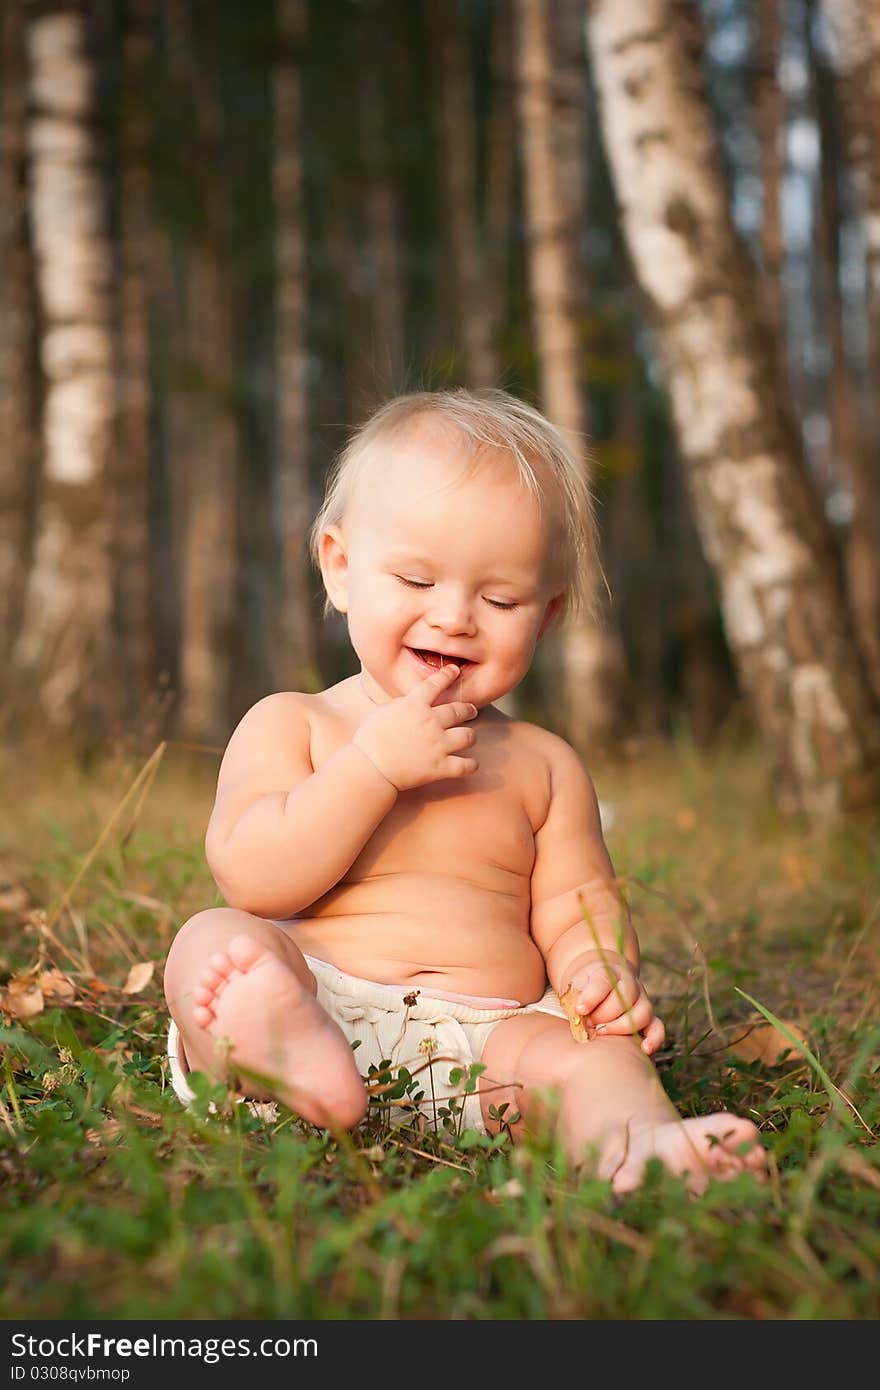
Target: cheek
(516,640)
(384,612)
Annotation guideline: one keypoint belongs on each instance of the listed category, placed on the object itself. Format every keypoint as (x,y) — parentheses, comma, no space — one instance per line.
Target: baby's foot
(248,997)
(704,1149)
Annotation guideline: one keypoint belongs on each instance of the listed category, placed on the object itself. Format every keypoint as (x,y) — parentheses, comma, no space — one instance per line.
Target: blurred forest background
(229,230)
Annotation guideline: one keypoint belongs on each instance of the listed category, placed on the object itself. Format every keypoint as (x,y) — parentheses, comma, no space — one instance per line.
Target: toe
(245,952)
(220,963)
(211,977)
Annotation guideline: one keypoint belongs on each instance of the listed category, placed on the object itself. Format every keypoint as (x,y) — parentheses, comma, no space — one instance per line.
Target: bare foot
(710,1147)
(249,997)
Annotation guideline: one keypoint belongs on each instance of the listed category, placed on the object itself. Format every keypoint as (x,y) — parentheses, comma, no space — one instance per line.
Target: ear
(550,613)
(333,559)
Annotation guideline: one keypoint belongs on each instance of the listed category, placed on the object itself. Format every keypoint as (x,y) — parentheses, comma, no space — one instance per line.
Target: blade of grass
(839,1100)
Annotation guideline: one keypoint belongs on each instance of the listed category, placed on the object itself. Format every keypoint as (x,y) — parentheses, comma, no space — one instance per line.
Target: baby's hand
(611,999)
(412,741)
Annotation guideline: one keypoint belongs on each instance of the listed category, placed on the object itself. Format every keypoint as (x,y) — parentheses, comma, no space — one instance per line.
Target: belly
(429,930)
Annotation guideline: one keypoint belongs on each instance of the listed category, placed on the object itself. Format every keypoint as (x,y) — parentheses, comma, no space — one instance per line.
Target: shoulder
(275,728)
(560,758)
(283,709)
(564,780)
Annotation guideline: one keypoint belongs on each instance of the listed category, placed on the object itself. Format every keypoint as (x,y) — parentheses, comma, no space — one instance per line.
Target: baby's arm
(579,919)
(281,834)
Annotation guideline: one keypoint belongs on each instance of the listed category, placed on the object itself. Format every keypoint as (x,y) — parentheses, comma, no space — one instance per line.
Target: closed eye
(503,604)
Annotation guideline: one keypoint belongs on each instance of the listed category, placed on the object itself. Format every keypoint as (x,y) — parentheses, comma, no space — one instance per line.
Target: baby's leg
(611,1099)
(243,997)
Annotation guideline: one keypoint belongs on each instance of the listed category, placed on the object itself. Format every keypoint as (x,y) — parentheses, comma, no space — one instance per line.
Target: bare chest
(479,829)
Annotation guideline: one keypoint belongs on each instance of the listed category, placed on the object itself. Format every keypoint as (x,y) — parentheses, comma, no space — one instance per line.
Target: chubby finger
(634,1019)
(428,690)
(654,1036)
(456,712)
(459,767)
(590,996)
(622,995)
(606,994)
(458,739)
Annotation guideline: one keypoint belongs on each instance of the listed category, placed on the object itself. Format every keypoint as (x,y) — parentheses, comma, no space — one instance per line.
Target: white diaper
(402,1025)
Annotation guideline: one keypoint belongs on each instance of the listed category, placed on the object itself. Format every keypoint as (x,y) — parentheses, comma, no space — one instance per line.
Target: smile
(436,660)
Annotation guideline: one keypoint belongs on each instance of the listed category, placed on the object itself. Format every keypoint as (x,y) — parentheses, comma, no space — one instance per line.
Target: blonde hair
(487,419)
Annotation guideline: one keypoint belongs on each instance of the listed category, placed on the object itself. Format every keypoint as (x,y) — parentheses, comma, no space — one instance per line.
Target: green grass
(118,1203)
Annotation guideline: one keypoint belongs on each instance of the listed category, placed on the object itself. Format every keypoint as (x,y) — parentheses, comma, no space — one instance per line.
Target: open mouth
(436,660)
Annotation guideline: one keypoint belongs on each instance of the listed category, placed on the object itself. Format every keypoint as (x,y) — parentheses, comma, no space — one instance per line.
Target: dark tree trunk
(19,454)
(130,468)
(295,638)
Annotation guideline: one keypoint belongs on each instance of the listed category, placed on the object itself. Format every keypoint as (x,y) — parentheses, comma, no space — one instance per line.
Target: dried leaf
(686,818)
(575,1020)
(54,983)
(22,1000)
(139,976)
(765,1043)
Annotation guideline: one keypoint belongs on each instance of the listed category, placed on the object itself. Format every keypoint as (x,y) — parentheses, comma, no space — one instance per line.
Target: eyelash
(424,584)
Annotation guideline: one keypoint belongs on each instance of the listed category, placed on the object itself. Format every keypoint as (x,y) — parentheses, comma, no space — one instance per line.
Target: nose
(452,612)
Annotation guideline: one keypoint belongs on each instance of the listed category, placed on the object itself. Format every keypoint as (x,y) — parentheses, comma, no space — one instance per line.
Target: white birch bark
(591,658)
(760,524)
(64,645)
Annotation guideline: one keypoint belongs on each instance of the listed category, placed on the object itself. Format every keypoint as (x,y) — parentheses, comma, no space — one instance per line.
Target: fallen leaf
(763,1042)
(139,976)
(686,818)
(22,1001)
(53,982)
(575,1020)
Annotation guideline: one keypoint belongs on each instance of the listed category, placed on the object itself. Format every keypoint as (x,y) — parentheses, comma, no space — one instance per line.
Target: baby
(406,865)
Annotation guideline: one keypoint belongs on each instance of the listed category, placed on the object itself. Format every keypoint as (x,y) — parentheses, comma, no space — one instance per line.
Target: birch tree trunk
(770,103)
(19,456)
(760,523)
(500,163)
(208,532)
(130,470)
(458,164)
(386,251)
(295,654)
(64,649)
(855,57)
(855,29)
(591,655)
(344,249)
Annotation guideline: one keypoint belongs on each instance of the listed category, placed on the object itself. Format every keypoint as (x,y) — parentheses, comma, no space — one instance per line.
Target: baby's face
(437,561)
